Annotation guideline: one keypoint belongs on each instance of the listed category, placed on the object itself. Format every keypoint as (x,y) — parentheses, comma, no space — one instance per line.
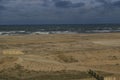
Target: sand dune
(57,52)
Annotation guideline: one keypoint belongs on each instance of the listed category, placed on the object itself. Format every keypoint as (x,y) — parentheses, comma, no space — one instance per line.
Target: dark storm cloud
(116,4)
(108,5)
(67,4)
(102,1)
(2,7)
(104,7)
(46,3)
(105,3)
(59,11)
(111,3)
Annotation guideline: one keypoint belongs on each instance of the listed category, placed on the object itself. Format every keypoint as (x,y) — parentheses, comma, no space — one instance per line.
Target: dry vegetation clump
(66,59)
(8,59)
(3,46)
(102,73)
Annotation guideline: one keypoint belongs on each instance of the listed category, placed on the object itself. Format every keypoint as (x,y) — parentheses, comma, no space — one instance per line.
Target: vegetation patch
(19,73)
(8,59)
(67,59)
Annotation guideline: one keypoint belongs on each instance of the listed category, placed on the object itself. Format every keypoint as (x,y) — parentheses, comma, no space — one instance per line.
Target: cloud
(116,4)
(58,11)
(2,7)
(2,4)
(67,4)
(102,1)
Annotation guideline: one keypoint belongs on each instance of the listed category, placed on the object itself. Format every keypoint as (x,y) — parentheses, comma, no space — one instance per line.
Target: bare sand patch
(114,42)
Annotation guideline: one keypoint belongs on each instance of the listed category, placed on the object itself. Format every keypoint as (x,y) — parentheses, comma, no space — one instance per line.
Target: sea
(58,29)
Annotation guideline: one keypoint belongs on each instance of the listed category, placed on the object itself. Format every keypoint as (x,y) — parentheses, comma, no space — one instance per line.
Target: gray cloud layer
(59,11)
(67,4)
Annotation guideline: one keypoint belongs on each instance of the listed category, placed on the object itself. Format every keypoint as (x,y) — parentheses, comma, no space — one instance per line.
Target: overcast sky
(59,11)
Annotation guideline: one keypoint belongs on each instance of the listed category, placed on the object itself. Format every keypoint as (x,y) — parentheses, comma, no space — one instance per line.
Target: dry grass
(19,73)
(56,52)
(67,59)
(12,52)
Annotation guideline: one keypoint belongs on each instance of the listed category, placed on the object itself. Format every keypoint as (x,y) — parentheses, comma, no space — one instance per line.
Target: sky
(59,11)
